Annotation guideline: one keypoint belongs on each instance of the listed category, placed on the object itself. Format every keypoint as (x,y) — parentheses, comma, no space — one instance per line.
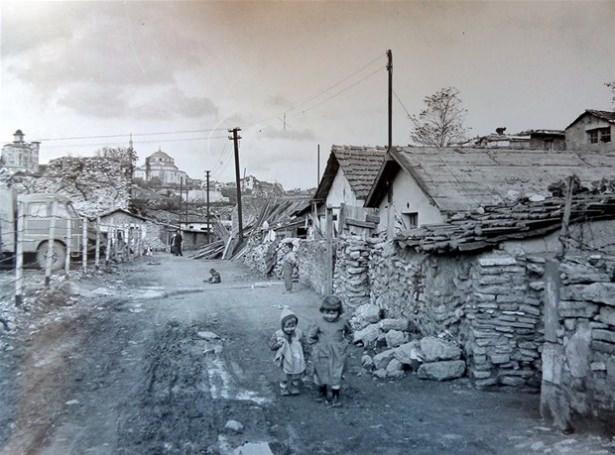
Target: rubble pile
(505,319)
(262,256)
(94,184)
(430,357)
(351,271)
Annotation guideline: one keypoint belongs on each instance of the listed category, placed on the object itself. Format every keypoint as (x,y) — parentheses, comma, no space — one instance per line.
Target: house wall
(577,138)
(407,197)
(547,143)
(339,193)
(153,234)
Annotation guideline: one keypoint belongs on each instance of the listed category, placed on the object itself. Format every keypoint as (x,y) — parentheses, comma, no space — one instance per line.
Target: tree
(611,86)
(441,121)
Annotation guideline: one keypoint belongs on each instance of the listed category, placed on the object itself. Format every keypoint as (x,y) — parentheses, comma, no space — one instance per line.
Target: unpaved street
(126,371)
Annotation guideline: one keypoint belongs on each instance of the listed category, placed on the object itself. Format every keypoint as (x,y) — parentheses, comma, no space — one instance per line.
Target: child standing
(288,344)
(329,350)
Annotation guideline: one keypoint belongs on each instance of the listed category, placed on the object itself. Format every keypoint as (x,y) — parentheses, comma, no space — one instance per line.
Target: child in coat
(328,337)
(288,344)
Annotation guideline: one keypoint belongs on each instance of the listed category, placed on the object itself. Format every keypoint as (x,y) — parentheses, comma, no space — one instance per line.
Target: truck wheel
(58,255)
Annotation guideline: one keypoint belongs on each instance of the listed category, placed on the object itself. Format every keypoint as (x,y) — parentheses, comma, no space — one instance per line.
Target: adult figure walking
(177,243)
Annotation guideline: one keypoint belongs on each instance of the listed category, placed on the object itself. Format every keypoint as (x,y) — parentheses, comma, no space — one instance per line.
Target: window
(410,219)
(605,134)
(38,209)
(593,136)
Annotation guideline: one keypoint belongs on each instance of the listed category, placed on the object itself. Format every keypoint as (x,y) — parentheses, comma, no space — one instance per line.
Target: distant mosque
(161,166)
(20,155)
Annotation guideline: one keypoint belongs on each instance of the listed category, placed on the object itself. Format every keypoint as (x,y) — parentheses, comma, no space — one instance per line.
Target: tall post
(208,219)
(50,244)
(97,252)
(69,245)
(108,249)
(318,167)
(235,139)
(181,194)
(84,246)
(390,70)
(329,259)
(566,218)
(19,254)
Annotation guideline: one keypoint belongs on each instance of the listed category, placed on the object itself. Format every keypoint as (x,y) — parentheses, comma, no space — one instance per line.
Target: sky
(192,70)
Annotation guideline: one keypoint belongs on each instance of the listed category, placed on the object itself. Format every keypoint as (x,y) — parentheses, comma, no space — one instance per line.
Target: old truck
(37,214)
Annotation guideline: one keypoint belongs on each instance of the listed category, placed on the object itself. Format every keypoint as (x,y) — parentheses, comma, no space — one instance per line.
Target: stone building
(162,166)
(347,178)
(541,139)
(592,130)
(424,185)
(20,155)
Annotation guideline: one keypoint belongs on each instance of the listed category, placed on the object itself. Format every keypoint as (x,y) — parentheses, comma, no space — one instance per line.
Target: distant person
(214,276)
(328,337)
(288,267)
(288,343)
(177,243)
(173,244)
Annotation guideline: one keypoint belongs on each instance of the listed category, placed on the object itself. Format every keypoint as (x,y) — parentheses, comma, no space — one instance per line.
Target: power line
(155,133)
(138,142)
(401,103)
(335,95)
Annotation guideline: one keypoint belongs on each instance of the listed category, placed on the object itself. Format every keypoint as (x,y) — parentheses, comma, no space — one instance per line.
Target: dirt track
(125,372)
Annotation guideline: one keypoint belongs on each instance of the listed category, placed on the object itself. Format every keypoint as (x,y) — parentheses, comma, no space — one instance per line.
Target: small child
(329,350)
(288,344)
(214,276)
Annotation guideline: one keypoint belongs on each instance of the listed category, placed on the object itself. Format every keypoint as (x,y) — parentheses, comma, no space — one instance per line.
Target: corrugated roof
(359,164)
(465,178)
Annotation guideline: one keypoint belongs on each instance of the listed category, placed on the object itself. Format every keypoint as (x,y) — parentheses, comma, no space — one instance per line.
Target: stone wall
(351,277)
(505,319)
(312,264)
(583,367)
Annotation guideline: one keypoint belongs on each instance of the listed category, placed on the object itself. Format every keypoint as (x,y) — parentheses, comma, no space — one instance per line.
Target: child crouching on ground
(328,337)
(288,344)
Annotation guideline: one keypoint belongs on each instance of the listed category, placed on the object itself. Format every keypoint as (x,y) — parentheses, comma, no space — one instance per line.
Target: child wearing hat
(328,337)
(288,344)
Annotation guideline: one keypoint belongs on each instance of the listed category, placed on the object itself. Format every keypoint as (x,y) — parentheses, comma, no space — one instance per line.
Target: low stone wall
(584,368)
(312,265)
(351,280)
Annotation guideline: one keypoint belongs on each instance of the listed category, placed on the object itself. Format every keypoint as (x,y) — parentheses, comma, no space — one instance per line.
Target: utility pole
(181,193)
(390,70)
(235,138)
(208,221)
(318,168)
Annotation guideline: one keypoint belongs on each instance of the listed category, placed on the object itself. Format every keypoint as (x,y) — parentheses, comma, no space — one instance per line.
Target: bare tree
(611,86)
(440,123)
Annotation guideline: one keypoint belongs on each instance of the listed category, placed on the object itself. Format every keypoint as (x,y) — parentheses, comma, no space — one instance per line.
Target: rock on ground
(367,335)
(234,426)
(442,371)
(436,349)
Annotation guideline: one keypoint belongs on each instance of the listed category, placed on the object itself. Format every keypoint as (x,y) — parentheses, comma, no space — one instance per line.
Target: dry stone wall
(585,368)
(351,277)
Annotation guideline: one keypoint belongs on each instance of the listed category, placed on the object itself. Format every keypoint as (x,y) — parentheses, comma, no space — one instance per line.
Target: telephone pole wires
(235,138)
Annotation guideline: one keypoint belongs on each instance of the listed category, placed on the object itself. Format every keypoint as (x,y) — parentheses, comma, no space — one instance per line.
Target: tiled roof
(359,164)
(608,116)
(496,224)
(458,179)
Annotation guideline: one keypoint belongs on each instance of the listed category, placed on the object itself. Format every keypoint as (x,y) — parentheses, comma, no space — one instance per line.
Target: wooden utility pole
(318,168)
(181,194)
(235,138)
(208,219)
(84,245)
(97,252)
(390,70)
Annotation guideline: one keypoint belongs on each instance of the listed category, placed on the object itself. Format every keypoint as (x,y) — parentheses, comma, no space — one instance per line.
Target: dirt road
(129,370)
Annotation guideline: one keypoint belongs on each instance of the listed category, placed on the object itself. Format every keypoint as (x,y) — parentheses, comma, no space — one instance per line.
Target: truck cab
(37,215)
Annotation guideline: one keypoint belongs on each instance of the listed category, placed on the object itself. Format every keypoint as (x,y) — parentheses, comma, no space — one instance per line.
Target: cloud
(107,102)
(305,134)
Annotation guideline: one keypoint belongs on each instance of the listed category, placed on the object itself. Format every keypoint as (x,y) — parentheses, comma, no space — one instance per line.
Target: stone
(607,315)
(601,346)
(496,260)
(409,353)
(395,338)
(395,368)
(597,366)
(577,351)
(380,373)
(368,312)
(572,309)
(394,324)
(209,336)
(234,426)
(482,383)
(382,359)
(253,448)
(367,335)
(442,371)
(367,362)
(603,335)
(481,374)
(435,349)
(552,363)
(596,292)
(498,359)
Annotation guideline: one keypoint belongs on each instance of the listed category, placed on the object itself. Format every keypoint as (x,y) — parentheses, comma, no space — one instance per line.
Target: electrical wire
(100,144)
(401,103)
(126,135)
